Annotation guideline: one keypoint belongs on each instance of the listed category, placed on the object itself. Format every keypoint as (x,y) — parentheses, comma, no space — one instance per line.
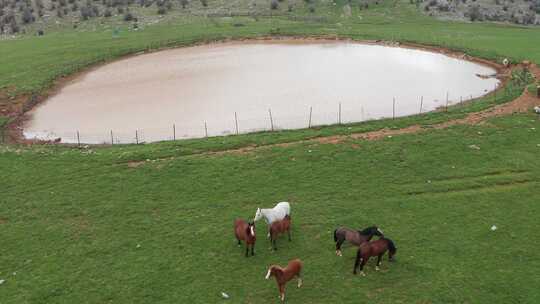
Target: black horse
(355,237)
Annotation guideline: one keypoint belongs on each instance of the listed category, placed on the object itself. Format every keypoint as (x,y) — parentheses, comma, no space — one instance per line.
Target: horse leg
(289,234)
(239,243)
(282,292)
(299,280)
(253,249)
(247,249)
(274,244)
(379,258)
(357,260)
(364,261)
(338,246)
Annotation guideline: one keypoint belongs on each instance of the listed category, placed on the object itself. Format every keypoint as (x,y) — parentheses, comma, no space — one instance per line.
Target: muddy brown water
(187,87)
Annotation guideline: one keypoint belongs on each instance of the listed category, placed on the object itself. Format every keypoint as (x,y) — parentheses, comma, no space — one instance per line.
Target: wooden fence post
(136,137)
(205,130)
(339,114)
(394,109)
(271,120)
(236,122)
(310,112)
(78,139)
(174,131)
(112,138)
(421,103)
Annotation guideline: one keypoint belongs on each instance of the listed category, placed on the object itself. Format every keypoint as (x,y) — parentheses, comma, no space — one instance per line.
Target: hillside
(525,12)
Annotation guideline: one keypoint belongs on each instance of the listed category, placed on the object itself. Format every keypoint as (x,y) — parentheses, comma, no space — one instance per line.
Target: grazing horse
(279,227)
(283,275)
(343,234)
(246,232)
(275,214)
(375,248)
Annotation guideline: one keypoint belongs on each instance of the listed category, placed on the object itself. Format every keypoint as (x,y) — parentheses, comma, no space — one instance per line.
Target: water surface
(188,87)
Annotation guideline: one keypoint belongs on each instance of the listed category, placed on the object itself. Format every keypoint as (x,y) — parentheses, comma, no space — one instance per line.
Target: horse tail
(391,246)
(335,235)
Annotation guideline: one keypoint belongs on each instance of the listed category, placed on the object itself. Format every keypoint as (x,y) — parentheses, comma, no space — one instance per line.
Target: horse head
(371,231)
(251,229)
(271,271)
(258,215)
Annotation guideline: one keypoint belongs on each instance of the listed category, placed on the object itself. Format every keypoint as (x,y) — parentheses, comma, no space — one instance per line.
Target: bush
(274,4)
(129,17)
(27,16)
(474,13)
(184,3)
(107,13)
(204,3)
(162,10)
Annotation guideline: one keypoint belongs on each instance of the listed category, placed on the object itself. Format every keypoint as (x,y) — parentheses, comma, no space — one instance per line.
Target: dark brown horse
(376,248)
(246,232)
(284,275)
(355,237)
(279,227)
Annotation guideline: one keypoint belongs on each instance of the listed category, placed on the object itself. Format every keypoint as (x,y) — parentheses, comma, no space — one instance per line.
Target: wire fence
(235,123)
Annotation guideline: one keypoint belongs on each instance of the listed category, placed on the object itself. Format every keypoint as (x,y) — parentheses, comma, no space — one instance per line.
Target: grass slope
(71,220)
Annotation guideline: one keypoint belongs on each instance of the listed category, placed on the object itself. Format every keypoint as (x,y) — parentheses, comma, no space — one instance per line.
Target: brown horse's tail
(391,246)
(335,236)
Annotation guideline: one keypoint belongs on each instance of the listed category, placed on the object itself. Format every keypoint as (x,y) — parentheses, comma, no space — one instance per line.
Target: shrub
(161,10)
(27,16)
(184,3)
(274,4)
(129,17)
(204,3)
(474,13)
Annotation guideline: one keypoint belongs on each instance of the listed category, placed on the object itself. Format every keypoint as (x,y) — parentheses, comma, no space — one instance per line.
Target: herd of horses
(278,220)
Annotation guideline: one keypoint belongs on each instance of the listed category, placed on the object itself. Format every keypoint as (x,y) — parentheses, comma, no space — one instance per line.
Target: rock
(224,295)
(474,147)
(493,228)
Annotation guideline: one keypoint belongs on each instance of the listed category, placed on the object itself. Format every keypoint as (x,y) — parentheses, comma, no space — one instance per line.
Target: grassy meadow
(152,223)
(84,226)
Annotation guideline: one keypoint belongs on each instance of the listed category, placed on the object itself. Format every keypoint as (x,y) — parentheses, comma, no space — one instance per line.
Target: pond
(224,88)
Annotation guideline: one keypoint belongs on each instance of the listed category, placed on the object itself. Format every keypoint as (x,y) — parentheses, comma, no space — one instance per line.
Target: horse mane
(368,230)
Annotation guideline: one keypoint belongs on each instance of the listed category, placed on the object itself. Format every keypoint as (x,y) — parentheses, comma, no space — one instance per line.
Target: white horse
(275,214)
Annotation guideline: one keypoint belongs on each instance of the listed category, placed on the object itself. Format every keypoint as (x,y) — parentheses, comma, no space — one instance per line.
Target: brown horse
(376,248)
(354,237)
(246,232)
(283,275)
(279,227)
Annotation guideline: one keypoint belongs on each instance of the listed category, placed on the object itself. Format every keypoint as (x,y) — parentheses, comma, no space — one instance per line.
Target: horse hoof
(377,268)
(362,273)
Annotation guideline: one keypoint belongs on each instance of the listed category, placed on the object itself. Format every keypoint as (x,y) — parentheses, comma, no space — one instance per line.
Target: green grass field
(72,220)
(153,223)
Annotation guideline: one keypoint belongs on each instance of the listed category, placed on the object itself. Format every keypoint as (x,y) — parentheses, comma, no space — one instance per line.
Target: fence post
(461,100)
(136,137)
(78,139)
(205,130)
(495,94)
(394,109)
(112,138)
(174,131)
(271,120)
(236,122)
(421,103)
(310,112)
(447,96)
(339,114)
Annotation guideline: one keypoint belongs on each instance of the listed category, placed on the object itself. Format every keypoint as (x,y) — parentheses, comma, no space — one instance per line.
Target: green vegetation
(72,220)
(153,223)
